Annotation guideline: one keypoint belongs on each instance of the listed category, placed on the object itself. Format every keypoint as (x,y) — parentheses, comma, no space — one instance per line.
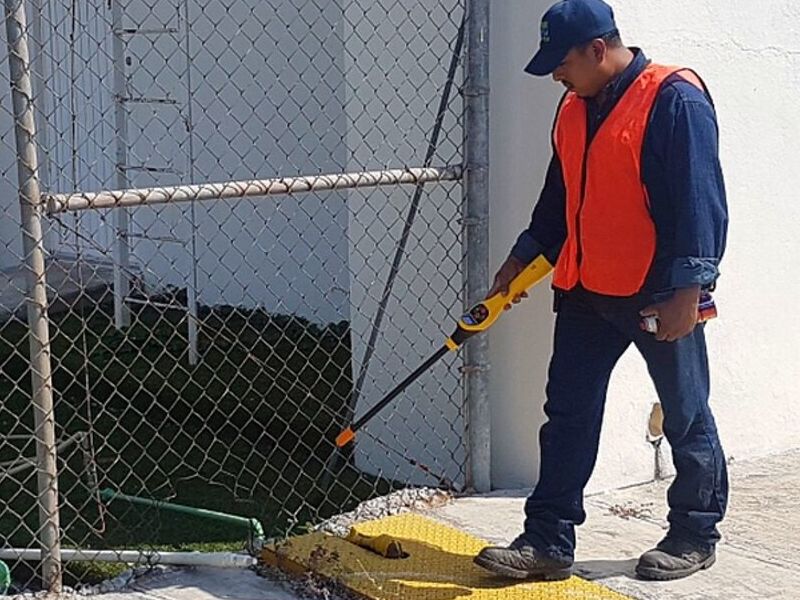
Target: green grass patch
(247,431)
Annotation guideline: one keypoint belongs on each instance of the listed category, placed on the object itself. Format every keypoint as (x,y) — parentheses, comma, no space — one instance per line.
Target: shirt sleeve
(694,216)
(547,230)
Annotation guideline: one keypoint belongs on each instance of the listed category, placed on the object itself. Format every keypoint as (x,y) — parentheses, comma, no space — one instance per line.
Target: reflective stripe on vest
(611,238)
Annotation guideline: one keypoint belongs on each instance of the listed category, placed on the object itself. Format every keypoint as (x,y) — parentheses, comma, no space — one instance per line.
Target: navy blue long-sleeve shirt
(683,177)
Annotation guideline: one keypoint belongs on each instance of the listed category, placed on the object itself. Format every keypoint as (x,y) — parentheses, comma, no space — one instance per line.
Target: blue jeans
(592,332)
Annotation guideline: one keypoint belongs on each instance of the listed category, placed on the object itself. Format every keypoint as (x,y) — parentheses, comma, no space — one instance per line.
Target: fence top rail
(59,203)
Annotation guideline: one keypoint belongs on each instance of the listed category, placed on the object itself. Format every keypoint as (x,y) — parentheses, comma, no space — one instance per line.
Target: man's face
(581,71)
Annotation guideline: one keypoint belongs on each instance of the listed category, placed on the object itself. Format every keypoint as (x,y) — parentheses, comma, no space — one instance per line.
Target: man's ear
(599,50)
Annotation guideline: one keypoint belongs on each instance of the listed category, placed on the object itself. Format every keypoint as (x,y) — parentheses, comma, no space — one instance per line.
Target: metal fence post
(122,284)
(39,334)
(476,221)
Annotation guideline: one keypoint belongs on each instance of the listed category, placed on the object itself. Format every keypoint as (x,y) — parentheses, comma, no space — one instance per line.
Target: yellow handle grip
(483,315)
(537,270)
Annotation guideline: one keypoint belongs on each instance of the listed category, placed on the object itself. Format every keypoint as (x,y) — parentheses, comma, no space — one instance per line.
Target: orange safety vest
(611,237)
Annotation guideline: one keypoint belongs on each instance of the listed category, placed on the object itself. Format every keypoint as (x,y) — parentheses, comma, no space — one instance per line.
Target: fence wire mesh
(206,354)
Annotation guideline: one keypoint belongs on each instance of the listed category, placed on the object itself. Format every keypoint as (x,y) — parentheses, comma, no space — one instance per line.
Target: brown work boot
(520,560)
(674,558)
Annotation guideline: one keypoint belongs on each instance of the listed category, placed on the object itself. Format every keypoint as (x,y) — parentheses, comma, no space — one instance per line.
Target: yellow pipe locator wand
(479,318)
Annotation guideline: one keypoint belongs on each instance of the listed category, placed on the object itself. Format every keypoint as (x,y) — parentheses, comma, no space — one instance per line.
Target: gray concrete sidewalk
(759,557)
(204,584)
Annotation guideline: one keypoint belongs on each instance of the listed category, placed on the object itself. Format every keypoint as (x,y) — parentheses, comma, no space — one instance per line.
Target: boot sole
(505,570)
(654,574)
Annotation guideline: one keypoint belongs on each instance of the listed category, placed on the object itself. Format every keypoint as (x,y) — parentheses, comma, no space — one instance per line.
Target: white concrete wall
(267,101)
(749,54)
(254,116)
(393,90)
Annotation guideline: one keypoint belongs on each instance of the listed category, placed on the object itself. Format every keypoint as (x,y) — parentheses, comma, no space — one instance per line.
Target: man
(634,210)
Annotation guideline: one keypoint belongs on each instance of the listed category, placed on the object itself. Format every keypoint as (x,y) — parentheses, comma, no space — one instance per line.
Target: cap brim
(546,61)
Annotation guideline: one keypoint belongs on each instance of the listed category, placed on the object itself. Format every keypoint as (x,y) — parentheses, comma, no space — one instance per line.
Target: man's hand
(677,317)
(510,269)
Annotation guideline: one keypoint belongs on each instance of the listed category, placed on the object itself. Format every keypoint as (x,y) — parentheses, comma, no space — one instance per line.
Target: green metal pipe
(5,578)
(254,525)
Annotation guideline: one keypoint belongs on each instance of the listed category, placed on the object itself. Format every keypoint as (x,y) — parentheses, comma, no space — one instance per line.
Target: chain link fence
(290,245)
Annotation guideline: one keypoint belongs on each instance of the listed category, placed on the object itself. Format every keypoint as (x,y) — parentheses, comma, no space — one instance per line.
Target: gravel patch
(120,583)
(401,501)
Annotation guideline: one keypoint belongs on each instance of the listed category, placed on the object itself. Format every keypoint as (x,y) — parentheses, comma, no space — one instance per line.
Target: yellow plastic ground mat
(438,566)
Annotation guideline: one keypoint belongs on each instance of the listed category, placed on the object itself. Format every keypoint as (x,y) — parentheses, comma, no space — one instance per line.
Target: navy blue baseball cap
(567,24)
